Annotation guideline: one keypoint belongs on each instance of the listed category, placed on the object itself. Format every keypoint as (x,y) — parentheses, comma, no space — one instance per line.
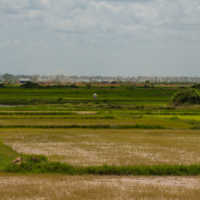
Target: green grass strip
(57,167)
(164,113)
(135,126)
(7,154)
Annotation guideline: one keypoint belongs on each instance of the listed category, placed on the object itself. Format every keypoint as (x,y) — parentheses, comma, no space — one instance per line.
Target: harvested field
(85,147)
(56,187)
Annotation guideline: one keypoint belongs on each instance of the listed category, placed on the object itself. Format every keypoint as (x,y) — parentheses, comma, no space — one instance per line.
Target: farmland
(123,131)
(120,95)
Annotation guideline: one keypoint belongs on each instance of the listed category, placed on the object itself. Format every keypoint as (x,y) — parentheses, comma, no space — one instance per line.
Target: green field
(150,96)
(125,132)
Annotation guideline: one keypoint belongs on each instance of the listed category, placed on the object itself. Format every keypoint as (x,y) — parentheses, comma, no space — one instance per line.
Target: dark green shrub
(112,87)
(174,118)
(60,99)
(145,86)
(2,85)
(73,86)
(191,96)
(30,84)
(196,86)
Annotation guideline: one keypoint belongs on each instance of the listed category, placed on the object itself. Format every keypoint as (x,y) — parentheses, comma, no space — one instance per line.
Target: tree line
(103,79)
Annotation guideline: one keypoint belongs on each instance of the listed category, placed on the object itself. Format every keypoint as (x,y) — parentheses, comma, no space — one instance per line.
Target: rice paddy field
(123,129)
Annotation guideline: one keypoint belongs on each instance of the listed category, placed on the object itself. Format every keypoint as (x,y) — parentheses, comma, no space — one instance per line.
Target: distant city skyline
(127,38)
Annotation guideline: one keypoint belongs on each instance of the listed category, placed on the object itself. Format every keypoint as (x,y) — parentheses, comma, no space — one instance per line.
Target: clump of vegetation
(148,86)
(57,167)
(90,104)
(170,108)
(190,96)
(196,86)
(73,86)
(2,85)
(68,105)
(112,87)
(145,86)
(60,99)
(30,84)
(88,85)
(174,118)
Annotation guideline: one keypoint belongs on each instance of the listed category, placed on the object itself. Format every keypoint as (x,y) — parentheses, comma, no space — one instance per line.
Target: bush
(112,87)
(73,86)
(30,84)
(145,86)
(196,86)
(191,96)
(60,99)
(1,85)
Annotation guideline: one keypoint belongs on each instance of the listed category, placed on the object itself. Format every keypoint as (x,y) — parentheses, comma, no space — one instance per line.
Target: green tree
(147,82)
(191,96)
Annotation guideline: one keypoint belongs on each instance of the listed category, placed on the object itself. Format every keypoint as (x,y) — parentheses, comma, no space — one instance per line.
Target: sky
(94,37)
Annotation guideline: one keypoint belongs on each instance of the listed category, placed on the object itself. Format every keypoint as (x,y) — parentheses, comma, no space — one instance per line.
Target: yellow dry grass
(56,187)
(85,147)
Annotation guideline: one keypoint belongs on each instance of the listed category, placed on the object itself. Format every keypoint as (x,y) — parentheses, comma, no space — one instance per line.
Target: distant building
(24,80)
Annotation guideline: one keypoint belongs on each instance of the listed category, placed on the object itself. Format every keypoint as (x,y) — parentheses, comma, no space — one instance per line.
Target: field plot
(86,147)
(188,117)
(56,187)
(156,96)
(113,122)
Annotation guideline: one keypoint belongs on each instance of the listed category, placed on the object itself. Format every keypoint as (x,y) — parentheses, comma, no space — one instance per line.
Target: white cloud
(16,41)
(39,4)
(103,17)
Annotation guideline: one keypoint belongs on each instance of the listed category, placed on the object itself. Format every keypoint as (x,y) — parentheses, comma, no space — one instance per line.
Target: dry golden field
(86,147)
(57,187)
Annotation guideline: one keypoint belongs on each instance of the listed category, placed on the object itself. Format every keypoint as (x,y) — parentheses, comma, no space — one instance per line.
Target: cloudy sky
(110,37)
